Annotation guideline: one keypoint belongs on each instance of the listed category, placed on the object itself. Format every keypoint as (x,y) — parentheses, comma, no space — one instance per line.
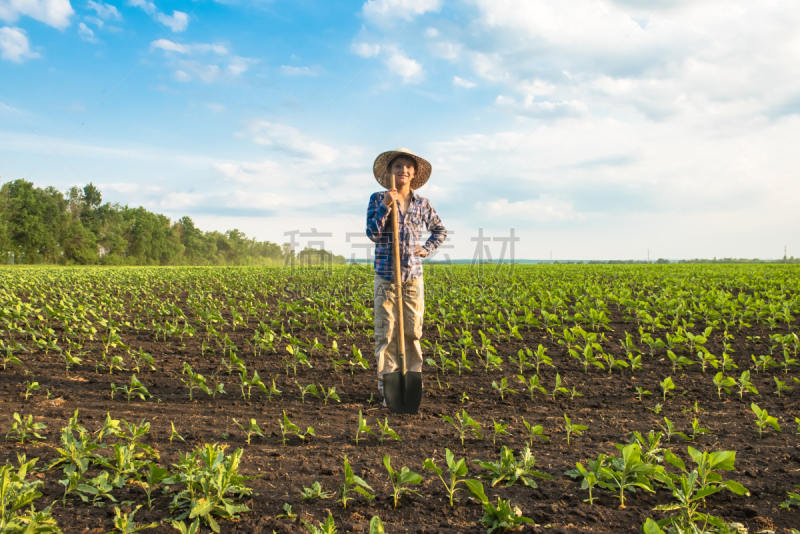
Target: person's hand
(419,251)
(390,196)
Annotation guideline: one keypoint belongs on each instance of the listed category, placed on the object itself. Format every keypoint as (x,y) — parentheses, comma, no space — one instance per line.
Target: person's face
(403,170)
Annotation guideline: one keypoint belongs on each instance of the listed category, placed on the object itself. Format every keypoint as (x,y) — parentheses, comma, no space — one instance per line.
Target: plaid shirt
(409,227)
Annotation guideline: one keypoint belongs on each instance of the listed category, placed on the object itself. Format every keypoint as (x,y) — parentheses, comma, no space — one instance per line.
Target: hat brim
(384,177)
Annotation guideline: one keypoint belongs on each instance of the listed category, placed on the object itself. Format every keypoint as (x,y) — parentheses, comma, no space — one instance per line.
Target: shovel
(402,389)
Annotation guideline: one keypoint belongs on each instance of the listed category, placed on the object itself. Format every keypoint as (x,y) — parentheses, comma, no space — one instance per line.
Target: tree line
(46,226)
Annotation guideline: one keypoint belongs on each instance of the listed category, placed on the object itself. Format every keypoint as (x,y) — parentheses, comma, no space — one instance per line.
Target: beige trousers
(386,327)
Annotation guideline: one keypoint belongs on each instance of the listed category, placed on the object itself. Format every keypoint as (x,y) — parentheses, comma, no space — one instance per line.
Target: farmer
(410,173)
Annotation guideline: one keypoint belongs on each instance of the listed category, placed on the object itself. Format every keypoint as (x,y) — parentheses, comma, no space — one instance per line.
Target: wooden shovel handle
(398,277)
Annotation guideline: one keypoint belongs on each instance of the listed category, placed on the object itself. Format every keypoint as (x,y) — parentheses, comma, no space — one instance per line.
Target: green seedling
(310,389)
(509,470)
(252,428)
(500,517)
(152,478)
(656,409)
(456,470)
(763,361)
(533,385)
(69,360)
(570,429)
(678,362)
(136,388)
(591,475)
(763,419)
(30,387)
(534,431)
(463,363)
(142,356)
(696,429)
(270,391)
(464,397)
(723,383)
(125,524)
(558,388)
(727,362)
(628,473)
(25,428)
(325,527)
(691,488)
(353,483)
(208,480)
(540,357)
(287,427)
(641,391)
(400,480)
(521,361)
(362,427)
(693,408)
(745,384)
(315,492)
(94,490)
(705,358)
(357,360)
(780,386)
(499,428)
(329,394)
(287,513)
(503,387)
(174,434)
(666,387)
(465,424)
(793,500)
(376,526)
(386,431)
(669,430)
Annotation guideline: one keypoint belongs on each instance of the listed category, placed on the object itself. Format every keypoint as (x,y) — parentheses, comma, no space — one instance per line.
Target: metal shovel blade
(403,393)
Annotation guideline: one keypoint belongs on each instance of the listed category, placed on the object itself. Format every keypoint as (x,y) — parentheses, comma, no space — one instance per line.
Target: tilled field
(608,406)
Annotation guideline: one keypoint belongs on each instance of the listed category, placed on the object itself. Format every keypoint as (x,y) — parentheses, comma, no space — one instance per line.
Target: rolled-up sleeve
(438,232)
(377,215)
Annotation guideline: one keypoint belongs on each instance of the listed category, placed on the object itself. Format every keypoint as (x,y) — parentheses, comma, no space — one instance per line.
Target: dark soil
(769,467)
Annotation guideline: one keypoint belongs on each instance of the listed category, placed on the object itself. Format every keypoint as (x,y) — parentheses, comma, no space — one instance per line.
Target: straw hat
(384,177)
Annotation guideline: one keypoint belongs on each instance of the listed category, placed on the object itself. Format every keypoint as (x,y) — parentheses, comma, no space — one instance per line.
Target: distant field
(682,350)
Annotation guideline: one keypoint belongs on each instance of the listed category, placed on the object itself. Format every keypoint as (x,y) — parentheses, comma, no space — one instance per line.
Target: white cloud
(94,20)
(365,49)
(189,69)
(213,106)
(120,187)
(14,45)
(104,11)
(447,50)
(175,200)
(177,22)
(299,71)
(432,32)
(55,13)
(541,210)
(239,65)
(86,33)
(404,66)
(192,49)
(461,82)
(386,11)
(295,144)
(529,107)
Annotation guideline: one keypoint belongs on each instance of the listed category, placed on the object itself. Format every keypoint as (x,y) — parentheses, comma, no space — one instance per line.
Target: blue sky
(596,129)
